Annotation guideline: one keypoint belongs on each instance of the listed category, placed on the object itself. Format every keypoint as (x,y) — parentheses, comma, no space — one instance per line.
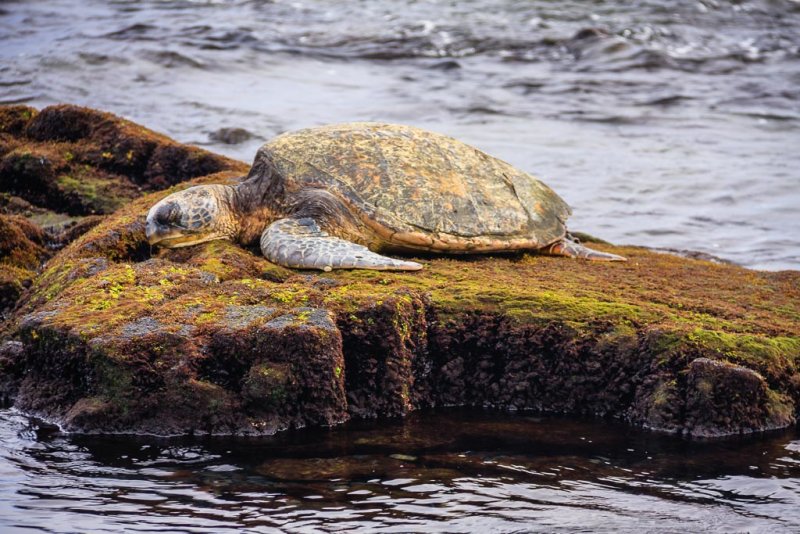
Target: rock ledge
(111,336)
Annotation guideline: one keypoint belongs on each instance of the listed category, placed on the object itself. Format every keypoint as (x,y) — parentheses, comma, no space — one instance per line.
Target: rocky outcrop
(80,161)
(22,250)
(64,168)
(113,336)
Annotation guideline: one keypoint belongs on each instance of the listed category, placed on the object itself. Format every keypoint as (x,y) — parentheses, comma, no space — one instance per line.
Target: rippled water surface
(446,472)
(667,124)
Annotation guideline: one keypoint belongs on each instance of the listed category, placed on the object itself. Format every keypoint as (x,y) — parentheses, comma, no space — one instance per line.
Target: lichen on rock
(115,336)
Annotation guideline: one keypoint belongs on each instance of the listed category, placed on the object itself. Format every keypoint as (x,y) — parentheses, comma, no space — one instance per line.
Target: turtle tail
(571,248)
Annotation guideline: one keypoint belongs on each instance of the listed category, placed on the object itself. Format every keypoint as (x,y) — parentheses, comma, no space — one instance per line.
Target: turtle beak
(151,231)
(158,226)
(168,236)
(162,231)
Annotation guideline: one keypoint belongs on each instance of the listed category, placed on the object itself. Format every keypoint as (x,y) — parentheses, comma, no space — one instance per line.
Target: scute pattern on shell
(412,180)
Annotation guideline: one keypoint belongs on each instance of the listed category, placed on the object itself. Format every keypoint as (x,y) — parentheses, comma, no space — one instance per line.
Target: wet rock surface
(78,161)
(113,336)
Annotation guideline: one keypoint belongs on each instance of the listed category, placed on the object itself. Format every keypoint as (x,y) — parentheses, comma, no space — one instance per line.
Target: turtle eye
(168,214)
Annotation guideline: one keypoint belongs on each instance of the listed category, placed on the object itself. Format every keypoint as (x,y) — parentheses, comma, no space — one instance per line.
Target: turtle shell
(411,180)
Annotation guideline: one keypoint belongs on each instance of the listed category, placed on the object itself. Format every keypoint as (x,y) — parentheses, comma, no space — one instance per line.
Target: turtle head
(195,215)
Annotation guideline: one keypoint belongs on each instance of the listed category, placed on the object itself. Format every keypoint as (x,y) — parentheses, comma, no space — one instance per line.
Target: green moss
(651,289)
(769,355)
(94,304)
(83,188)
(291,296)
(664,394)
(206,317)
(735,345)
(779,408)
(216,267)
(52,282)
(98,192)
(267,383)
(13,119)
(114,381)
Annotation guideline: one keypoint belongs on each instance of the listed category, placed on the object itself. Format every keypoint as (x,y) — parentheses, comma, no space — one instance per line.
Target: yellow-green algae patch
(650,289)
(771,356)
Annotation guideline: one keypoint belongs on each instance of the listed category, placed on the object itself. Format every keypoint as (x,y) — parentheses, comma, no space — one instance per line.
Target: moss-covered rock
(11,372)
(60,166)
(22,250)
(118,337)
(13,283)
(82,161)
(14,119)
(21,243)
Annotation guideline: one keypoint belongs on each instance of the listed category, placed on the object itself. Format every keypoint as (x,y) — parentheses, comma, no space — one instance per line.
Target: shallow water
(452,471)
(666,124)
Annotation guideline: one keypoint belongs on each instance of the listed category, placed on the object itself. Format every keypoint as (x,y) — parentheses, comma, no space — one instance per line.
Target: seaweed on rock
(113,336)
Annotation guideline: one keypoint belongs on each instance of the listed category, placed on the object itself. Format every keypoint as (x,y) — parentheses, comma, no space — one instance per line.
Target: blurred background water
(665,124)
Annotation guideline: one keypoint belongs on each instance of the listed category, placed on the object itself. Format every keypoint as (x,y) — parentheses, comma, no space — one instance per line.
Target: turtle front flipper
(301,244)
(573,249)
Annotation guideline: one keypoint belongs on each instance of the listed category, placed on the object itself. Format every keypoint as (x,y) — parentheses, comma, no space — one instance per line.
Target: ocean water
(664,124)
(451,471)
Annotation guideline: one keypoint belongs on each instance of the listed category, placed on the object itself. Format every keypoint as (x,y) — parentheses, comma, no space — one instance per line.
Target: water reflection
(452,471)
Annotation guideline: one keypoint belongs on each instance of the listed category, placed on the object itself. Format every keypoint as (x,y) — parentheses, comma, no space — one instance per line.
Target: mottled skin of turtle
(341,196)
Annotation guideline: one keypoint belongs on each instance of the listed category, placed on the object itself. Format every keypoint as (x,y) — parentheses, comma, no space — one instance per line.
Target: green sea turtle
(336,197)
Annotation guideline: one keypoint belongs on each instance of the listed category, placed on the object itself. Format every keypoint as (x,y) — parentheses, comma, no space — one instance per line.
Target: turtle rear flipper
(301,244)
(573,249)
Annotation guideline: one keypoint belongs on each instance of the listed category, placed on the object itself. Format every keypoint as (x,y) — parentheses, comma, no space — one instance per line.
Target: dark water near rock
(667,124)
(448,472)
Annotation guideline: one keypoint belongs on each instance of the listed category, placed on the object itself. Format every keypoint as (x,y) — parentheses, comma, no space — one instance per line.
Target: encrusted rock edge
(302,366)
(111,336)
